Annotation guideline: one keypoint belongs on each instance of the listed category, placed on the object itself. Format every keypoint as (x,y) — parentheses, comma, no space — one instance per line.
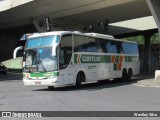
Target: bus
(61,58)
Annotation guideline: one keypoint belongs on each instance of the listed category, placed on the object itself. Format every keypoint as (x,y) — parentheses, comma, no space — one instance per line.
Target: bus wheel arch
(130,73)
(124,74)
(80,78)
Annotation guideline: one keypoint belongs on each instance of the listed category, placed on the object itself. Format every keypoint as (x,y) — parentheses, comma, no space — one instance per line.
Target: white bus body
(64,58)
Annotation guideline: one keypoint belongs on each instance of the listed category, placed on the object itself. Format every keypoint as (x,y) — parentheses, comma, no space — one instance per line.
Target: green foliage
(138,39)
(155,39)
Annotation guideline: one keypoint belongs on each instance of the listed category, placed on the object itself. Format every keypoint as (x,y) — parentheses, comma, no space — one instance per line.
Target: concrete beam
(154,6)
(56,25)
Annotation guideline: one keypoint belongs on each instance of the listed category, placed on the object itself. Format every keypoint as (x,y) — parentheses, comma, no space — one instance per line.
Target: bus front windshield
(38,56)
(40,60)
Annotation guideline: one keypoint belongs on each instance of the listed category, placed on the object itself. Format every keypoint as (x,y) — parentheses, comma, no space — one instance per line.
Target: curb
(147,83)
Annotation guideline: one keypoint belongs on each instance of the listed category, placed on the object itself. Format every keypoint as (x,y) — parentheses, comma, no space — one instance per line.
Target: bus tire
(79,79)
(124,75)
(50,87)
(129,75)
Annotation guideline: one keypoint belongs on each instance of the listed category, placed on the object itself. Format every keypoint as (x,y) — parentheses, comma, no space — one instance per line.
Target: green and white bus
(63,58)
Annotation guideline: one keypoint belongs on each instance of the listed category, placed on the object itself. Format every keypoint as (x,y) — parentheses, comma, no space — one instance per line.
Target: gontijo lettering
(90,59)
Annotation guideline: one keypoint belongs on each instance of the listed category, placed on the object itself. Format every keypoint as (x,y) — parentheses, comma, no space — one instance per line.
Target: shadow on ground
(102,84)
(11,76)
(92,86)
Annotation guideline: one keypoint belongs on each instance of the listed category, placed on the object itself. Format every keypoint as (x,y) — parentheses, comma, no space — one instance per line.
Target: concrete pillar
(147,60)
(154,6)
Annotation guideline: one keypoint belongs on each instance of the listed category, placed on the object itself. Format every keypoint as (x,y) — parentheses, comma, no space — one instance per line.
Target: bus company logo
(88,59)
(91,59)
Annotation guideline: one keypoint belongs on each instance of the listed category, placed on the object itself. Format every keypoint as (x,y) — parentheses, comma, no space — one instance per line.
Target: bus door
(66,66)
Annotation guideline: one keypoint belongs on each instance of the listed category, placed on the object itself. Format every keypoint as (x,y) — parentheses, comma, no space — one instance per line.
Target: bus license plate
(37,83)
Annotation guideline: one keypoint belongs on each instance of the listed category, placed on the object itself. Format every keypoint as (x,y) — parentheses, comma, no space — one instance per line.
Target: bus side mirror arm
(16,50)
(54,50)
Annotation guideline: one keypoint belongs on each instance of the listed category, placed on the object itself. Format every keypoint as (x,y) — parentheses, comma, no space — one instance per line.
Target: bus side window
(111,47)
(126,48)
(119,47)
(101,45)
(135,48)
(91,44)
(79,43)
(130,48)
(61,59)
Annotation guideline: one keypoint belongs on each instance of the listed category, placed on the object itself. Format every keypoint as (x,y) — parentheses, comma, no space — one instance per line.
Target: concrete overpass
(18,17)
(70,12)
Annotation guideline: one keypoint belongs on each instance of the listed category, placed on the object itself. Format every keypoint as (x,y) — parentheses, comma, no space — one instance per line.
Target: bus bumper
(46,82)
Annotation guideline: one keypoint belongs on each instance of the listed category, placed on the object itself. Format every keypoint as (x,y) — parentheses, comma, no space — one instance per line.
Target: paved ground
(106,96)
(147,81)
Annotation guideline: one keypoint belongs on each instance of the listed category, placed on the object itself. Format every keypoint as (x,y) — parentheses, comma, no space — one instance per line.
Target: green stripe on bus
(131,58)
(117,59)
(81,58)
(41,74)
(115,66)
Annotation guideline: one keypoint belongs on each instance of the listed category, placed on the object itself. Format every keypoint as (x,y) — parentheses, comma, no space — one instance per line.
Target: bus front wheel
(80,78)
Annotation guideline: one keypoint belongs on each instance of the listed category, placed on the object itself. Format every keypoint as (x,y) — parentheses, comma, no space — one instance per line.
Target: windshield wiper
(40,62)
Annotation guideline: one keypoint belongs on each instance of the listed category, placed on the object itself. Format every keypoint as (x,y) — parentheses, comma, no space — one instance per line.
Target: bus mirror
(16,50)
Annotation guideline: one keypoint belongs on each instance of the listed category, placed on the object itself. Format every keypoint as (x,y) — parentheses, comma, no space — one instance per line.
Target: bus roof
(96,35)
(49,33)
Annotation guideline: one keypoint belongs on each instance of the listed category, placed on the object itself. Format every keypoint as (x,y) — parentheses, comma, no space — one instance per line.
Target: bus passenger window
(91,45)
(61,59)
(111,47)
(79,44)
(119,47)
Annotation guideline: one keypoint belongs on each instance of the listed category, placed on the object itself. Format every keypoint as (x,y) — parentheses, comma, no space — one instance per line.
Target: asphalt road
(106,96)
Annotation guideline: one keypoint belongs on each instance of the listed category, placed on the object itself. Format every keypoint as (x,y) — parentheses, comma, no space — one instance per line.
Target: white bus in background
(63,58)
